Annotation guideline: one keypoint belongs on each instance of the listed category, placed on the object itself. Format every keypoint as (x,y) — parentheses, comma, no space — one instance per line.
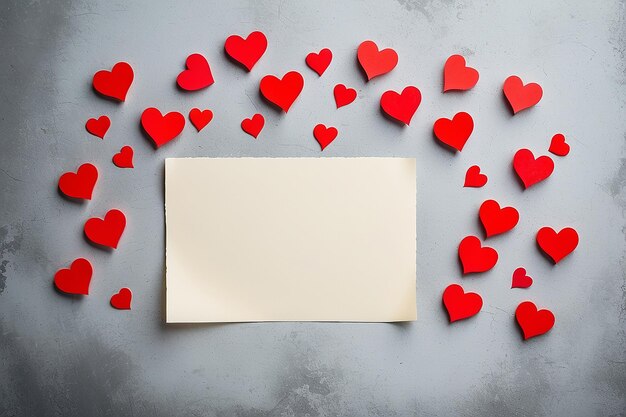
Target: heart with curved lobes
(162,128)
(557,245)
(122,299)
(115,83)
(108,231)
(497,220)
(456,131)
(197,75)
(246,51)
(324,135)
(98,127)
(76,278)
(200,118)
(474,178)
(401,106)
(457,75)
(459,304)
(375,62)
(253,125)
(521,96)
(320,61)
(282,91)
(124,158)
(474,257)
(520,279)
(530,170)
(533,322)
(343,95)
(558,146)
(80,184)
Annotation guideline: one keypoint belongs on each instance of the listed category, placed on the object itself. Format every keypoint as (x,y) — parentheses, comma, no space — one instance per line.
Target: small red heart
(521,96)
(531,170)
(108,231)
(81,183)
(474,257)
(200,118)
(497,220)
(456,131)
(282,92)
(76,279)
(557,245)
(533,322)
(124,158)
(320,61)
(98,127)
(402,106)
(343,95)
(324,135)
(375,62)
(558,146)
(122,299)
(246,51)
(197,75)
(254,125)
(458,76)
(114,83)
(162,129)
(520,279)
(474,178)
(461,305)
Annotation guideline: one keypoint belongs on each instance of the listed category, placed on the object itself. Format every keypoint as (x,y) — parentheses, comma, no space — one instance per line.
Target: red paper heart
(81,183)
(320,61)
(200,118)
(162,129)
(456,131)
(520,279)
(124,158)
(98,127)
(343,95)
(474,257)
(122,299)
(76,279)
(531,170)
(114,83)
(324,135)
(497,220)
(282,92)
(458,76)
(402,106)
(108,231)
(254,125)
(197,75)
(473,177)
(558,146)
(375,62)
(461,305)
(246,51)
(521,96)
(533,322)
(557,245)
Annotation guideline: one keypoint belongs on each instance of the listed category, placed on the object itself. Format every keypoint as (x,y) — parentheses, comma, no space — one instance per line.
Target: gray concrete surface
(79,357)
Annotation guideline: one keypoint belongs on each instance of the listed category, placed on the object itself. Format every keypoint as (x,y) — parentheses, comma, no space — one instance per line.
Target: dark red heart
(124,158)
(375,62)
(324,135)
(557,245)
(254,125)
(282,92)
(458,76)
(531,170)
(461,305)
(98,127)
(474,178)
(122,299)
(108,231)
(246,51)
(162,129)
(76,279)
(533,322)
(343,95)
(497,220)
(456,131)
(320,61)
(200,118)
(521,96)
(197,75)
(558,146)
(474,257)
(81,183)
(520,279)
(402,106)
(114,83)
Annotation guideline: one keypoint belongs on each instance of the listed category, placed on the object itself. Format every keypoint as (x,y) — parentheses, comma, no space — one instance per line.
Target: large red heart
(282,92)
(375,62)
(98,127)
(343,95)
(108,231)
(474,178)
(557,245)
(497,220)
(521,96)
(254,125)
(531,170)
(324,135)
(114,83)
(76,279)
(461,305)
(81,183)
(458,76)
(197,75)
(124,158)
(533,322)
(162,129)
(520,279)
(246,51)
(200,118)
(558,146)
(456,131)
(320,61)
(402,106)
(122,299)
(474,257)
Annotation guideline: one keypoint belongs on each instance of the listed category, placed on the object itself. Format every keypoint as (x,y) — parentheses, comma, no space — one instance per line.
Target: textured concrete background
(79,357)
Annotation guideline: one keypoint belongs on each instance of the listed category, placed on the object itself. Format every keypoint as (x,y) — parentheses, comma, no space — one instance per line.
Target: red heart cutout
(162,129)
(197,75)
(81,183)
(124,158)
(200,118)
(320,61)
(282,92)
(497,220)
(114,83)
(375,62)
(473,177)
(122,299)
(98,127)
(456,131)
(108,231)
(461,305)
(557,245)
(520,279)
(531,170)
(324,135)
(521,96)
(533,322)
(558,146)
(76,279)
(254,125)
(458,76)
(246,51)
(403,106)
(474,257)
(343,95)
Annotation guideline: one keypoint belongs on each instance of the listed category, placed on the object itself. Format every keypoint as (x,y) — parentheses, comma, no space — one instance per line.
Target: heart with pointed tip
(98,127)
(124,158)
(253,125)
(457,75)
(474,178)
(320,61)
(530,170)
(459,304)
(375,62)
(521,96)
(122,299)
(456,131)
(401,106)
(76,278)
(282,91)
(197,75)
(80,184)
(474,257)
(246,51)
(115,83)
(557,245)
(533,322)
(200,118)
(108,231)
(162,128)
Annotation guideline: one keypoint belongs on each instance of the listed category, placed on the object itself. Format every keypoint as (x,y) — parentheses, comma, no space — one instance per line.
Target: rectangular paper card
(290,239)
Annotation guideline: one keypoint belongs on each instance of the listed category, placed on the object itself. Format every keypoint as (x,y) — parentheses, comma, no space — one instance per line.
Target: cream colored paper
(290,239)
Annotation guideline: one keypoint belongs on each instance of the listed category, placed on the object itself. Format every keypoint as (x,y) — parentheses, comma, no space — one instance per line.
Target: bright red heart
(343,95)
(533,322)
(98,127)
(124,158)
(122,299)
(402,106)
(114,83)
(375,62)
(497,220)
(200,118)
(521,96)
(76,279)
(531,170)
(324,135)
(197,75)
(81,183)
(461,305)
(458,76)
(520,279)
(474,257)
(474,178)
(108,231)
(282,92)
(162,129)
(254,125)
(246,51)
(456,131)
(558,146)
(320,61)
(557,245)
